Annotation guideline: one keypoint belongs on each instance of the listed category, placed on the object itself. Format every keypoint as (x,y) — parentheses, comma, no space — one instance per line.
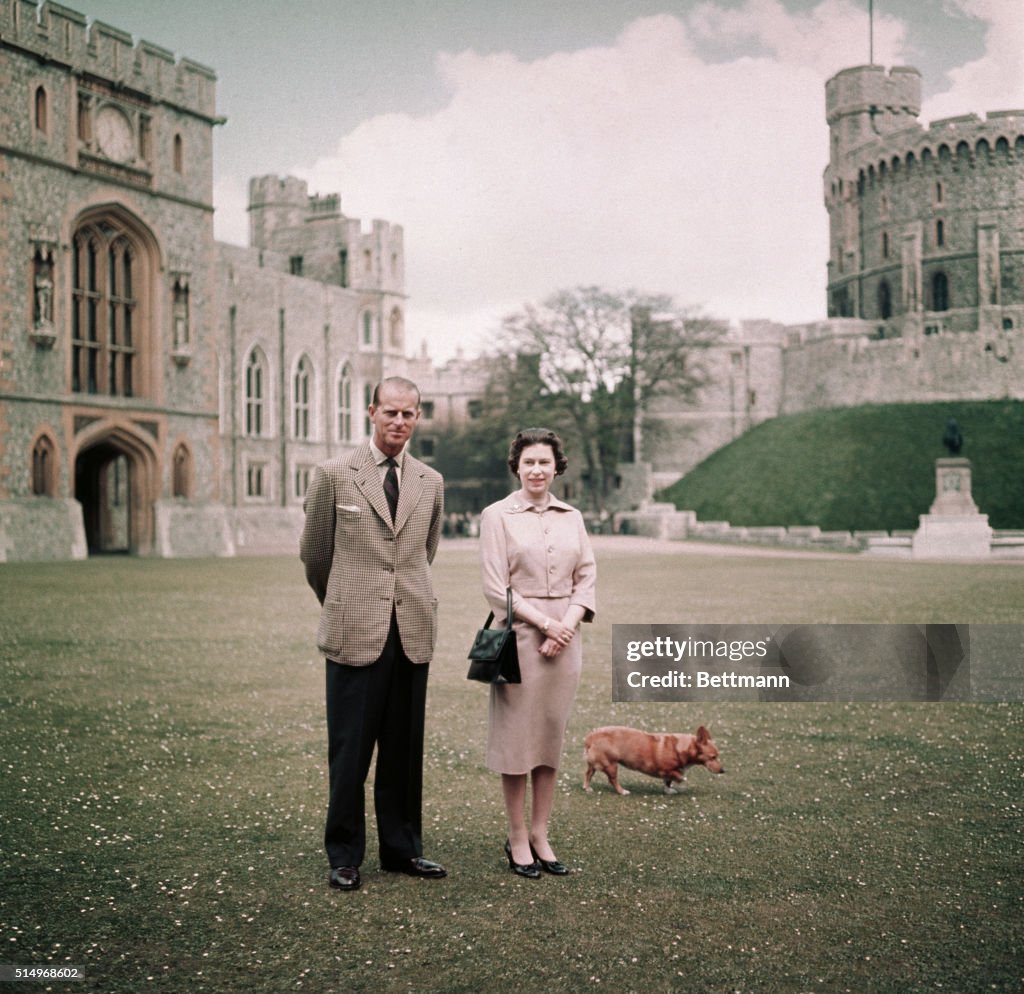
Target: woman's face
(536,469)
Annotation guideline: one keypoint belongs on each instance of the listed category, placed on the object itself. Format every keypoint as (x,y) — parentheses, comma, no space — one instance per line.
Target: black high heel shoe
(529,870)
(552,866)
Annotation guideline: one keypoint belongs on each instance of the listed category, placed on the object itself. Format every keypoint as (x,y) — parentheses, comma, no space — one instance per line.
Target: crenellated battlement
(966,140)
(63,36)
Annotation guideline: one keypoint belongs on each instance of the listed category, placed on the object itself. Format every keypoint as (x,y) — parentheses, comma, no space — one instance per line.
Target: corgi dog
(665,755)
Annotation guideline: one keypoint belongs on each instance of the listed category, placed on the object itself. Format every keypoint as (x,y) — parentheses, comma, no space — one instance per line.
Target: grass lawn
(164,782)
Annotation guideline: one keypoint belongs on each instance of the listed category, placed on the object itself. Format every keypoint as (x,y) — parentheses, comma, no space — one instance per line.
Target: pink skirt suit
(546,558)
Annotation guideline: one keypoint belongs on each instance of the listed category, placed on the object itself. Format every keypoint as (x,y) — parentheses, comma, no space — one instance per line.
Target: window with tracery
(105,331)
(255,384)
(345,404)
(44,464)
(301,398)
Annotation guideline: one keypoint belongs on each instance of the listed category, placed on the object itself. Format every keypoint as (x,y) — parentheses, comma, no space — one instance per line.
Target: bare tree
(592,360)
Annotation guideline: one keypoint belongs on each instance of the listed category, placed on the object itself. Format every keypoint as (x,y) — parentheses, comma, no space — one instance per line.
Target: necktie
(391,486)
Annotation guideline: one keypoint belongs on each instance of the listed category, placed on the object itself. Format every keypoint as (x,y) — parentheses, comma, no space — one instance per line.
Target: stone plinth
(953,528)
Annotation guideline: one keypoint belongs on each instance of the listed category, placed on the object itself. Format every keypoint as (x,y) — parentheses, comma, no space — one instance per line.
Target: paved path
(635,543)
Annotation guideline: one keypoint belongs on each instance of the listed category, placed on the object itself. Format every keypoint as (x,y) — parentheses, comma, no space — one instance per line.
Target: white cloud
(639,165)
(995,81)
(665,162)
(230,221)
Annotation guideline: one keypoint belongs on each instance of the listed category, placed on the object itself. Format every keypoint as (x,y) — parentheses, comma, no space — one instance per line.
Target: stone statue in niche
(42,311)
(180,315)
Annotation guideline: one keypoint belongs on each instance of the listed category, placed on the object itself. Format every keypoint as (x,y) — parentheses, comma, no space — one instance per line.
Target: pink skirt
(527,720)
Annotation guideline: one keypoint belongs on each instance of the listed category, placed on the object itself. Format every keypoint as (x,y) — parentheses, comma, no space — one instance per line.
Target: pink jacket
(539,553)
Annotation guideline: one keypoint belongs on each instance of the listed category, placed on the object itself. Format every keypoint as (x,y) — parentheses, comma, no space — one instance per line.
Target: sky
(526,146)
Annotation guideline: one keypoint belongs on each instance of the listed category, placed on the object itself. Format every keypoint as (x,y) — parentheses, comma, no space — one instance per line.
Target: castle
(163,394)
(925,277)
(160,393)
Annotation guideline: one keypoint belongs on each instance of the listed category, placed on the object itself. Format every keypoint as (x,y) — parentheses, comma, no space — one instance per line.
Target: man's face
(394,418)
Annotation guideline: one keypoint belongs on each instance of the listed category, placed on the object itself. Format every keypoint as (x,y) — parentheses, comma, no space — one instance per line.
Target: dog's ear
(702,734)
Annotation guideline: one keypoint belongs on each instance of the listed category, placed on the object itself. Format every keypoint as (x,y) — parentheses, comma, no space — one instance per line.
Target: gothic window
(302,387)
(255,399)
(884,301)
(940,292)
(181,472)
(179,155)
(343,265)
(885,244)
(367,400)
(44,466)
(345,404)
(105,327)
(295,265)
(396,329)
(368,261)
(940,233)
(938,193)
(367,328)
(41,110)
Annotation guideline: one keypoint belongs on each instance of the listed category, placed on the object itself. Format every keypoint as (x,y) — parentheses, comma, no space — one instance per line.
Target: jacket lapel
(408,492)
(368,480)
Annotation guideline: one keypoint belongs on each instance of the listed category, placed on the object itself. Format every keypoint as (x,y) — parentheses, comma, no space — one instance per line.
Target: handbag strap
(508,612)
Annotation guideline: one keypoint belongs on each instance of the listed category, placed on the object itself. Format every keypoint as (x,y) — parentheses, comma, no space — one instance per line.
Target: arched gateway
(117,482)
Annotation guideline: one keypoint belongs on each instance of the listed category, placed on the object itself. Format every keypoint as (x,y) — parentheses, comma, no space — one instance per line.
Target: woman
(538,546)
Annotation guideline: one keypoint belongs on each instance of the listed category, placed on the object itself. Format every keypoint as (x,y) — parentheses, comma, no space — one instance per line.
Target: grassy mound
(859,468)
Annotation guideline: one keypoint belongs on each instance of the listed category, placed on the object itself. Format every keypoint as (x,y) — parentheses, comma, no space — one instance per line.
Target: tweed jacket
(360,564)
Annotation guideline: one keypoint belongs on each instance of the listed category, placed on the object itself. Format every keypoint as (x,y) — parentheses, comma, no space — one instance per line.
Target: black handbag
(494,657)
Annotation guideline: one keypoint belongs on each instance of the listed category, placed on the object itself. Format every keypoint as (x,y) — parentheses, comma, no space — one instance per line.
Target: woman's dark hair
(537,436)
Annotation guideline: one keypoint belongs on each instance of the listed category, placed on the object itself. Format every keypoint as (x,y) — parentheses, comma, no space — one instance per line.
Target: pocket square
(348,508)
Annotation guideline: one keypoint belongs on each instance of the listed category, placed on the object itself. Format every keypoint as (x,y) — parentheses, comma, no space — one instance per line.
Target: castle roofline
(64,37)
(881,70)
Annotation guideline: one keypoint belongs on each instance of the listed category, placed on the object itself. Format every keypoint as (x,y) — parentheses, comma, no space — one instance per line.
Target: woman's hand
(560,632)
(549,648)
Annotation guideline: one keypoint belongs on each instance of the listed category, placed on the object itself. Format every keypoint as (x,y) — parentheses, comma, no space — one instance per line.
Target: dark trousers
(382,704)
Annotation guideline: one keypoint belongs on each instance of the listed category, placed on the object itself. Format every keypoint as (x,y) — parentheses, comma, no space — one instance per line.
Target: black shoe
(550,865)
(417,866)
(530,870)
(345,877)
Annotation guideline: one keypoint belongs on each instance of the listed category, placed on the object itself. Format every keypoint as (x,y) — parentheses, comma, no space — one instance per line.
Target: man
(373,521)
